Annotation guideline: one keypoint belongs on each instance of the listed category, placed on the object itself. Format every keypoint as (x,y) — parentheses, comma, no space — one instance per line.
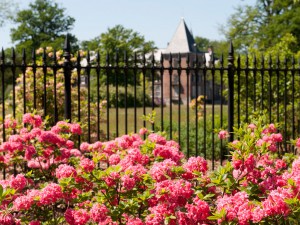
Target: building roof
(182,41)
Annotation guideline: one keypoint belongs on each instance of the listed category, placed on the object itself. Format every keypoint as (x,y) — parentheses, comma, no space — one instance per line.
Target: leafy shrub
(209,145)
(43,83)
(131,99)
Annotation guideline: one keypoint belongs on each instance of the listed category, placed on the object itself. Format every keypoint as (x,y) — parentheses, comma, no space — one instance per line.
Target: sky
(156,20)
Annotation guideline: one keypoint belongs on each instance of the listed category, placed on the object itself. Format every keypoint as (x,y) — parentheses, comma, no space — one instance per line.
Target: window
(175,63)
(175,92)
(157,91)
(193,79)
(175,79)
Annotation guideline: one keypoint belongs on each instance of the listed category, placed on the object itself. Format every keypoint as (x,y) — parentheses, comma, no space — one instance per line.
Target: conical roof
(182,41)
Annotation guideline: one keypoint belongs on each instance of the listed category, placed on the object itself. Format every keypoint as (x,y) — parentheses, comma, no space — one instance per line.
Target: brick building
(182,42)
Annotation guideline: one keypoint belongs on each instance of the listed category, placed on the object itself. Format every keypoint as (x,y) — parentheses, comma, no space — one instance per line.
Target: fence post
(230,91)
(67,76)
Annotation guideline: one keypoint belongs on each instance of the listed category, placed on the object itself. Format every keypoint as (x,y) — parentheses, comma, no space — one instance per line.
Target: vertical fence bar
(221,105)
(152,86)
(55,91)
(247,88)
(126,90)
(2,63)
(78,68)
(107,94)
(213,110)
(230,92)
(162,69)
(45,83)
(98,68)
(179,96)
(144,89)
(188,104)
(34,77)
(254,81)
(67,76)
(135,83)
(196,69)
(293,101)
(13,70)
(2,68)
(262,71)
(23,66)
(285,102)
(204,107)
(238,69)
(277,86)
(270,88)
(170,90)
(88,73)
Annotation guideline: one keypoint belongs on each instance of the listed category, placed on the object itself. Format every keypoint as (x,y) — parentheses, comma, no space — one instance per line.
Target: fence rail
(191,97)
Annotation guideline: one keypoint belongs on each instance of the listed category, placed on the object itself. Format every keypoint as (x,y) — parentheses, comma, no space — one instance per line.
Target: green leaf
(291,182)
(208,196)
(199,194)
(219,215)
(1,190)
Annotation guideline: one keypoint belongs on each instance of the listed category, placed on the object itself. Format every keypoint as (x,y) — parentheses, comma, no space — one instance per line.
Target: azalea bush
(136,181)
(44,80)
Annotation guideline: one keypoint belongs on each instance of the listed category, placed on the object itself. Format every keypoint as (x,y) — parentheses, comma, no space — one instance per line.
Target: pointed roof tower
(182,40)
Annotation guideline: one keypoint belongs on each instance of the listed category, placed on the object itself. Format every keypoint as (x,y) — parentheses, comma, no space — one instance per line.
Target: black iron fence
(186,96)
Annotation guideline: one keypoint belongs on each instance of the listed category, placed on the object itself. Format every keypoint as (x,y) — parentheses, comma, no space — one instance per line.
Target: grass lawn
(140,122)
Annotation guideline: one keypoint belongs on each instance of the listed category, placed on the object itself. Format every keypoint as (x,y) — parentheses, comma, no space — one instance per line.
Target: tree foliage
(274,87)
(218,47)
(43,24)
(264,23)
(115,42)
(119,39)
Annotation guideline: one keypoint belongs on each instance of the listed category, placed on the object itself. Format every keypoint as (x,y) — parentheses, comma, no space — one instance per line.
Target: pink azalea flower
(223,134)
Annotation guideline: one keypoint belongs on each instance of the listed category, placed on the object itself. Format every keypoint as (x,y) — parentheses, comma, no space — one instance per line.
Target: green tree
(43,24)
(116,41)
(120,39)
(218,47)
(202,43)
(264,23)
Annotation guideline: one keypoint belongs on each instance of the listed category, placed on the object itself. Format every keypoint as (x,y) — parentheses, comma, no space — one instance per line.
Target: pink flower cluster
(10,123)
(223,134)
(194,166)
(161,171)
(64,127)
(31,119)
(237,207)
(65,171)
(168,151)
(255,167)
(134,181)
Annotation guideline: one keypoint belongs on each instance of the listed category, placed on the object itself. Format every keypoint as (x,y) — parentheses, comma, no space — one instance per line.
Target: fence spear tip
(67,46)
